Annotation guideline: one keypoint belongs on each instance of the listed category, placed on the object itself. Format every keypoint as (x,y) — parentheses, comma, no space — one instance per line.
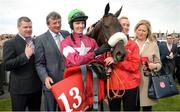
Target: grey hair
(52,15)
(23,18)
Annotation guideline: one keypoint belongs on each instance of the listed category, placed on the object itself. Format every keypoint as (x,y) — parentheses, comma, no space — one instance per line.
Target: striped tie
(57,39)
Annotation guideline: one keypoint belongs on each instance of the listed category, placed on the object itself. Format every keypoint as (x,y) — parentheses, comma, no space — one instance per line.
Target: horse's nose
(119,52)
(115,38)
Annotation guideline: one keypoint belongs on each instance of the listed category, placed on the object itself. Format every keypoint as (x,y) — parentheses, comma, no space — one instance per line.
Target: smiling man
(25,85)
(48,58)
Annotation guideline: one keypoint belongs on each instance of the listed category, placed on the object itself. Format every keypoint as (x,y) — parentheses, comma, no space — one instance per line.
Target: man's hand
(108,61)
(89,30)
(48,82)
(29,50)
(171,56)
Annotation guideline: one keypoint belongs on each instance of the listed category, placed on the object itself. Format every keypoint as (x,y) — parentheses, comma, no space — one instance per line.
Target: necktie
(29,41)
(57,39)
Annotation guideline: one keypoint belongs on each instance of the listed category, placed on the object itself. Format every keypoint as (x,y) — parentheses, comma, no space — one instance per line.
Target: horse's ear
(118,12)
(107,8)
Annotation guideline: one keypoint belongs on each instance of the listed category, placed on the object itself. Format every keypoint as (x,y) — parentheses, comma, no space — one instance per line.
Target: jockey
(77,48)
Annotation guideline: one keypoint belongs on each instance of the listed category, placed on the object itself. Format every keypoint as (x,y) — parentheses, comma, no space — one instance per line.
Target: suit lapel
(20,42)
(52,41)
(144,48)
(63,35)
(167,49)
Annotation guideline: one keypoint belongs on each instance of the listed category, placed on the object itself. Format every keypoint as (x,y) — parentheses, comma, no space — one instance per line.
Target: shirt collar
(53,34)
(22,36)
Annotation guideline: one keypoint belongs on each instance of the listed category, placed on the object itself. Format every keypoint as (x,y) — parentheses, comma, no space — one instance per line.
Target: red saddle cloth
(70,93)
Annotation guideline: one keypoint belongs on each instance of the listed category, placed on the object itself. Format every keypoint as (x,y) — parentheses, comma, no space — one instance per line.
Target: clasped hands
(170,56)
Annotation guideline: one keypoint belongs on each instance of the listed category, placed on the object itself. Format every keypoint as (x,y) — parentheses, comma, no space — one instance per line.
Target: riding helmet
(76,15)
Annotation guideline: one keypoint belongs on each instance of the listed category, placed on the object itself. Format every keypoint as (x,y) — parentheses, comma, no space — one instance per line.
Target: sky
(164,15)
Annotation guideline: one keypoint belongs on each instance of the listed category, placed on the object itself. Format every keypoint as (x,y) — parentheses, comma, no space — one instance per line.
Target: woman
(149,51)
(77,48)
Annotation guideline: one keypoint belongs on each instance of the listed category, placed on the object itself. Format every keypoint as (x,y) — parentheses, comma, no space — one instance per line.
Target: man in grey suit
(48,58)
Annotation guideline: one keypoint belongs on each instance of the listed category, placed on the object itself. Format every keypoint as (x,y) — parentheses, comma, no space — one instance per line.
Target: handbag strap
(155,73)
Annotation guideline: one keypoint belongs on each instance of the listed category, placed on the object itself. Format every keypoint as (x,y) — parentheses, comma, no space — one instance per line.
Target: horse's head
(107,27)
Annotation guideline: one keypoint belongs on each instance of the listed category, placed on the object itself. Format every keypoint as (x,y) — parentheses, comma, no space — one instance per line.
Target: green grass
(168,104)
(5,104)
(165,104)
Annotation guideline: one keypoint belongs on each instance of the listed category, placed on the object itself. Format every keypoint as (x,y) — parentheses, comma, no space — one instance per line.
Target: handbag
(161,85)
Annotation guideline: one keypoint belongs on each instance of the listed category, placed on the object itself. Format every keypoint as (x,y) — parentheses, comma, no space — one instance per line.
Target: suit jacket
(164,51)
(177,58)
(23,75)
(49,61)
(168,64)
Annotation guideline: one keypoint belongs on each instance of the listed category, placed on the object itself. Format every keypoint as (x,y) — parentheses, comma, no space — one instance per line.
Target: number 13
(74,92)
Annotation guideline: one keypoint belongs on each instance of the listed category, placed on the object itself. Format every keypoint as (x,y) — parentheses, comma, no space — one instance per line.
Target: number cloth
(70,93)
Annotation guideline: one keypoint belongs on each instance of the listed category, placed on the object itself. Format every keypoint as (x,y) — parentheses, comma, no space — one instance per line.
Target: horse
(109,30)
(107,27)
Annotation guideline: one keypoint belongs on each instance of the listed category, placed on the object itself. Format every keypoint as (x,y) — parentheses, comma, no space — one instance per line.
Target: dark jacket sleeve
(11,58)
(65,33)
(162,50)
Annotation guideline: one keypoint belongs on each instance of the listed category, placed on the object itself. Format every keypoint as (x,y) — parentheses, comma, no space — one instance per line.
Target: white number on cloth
(74,92)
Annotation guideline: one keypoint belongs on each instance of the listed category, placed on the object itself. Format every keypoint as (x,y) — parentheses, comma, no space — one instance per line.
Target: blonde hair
(148,25)
(123,17)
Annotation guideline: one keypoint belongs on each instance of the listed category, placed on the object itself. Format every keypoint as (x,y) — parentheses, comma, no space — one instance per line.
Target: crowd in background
(3,76)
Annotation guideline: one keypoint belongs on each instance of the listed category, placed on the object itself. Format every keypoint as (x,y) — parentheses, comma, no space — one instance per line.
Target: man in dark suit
(177,59)
(25,85)
(167,52)
(48,58)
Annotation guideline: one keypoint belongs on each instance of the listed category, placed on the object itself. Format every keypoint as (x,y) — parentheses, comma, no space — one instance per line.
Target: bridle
(109,80)
(103,31)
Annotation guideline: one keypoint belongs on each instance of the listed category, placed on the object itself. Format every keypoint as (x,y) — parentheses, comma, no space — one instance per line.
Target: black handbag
(161,86)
